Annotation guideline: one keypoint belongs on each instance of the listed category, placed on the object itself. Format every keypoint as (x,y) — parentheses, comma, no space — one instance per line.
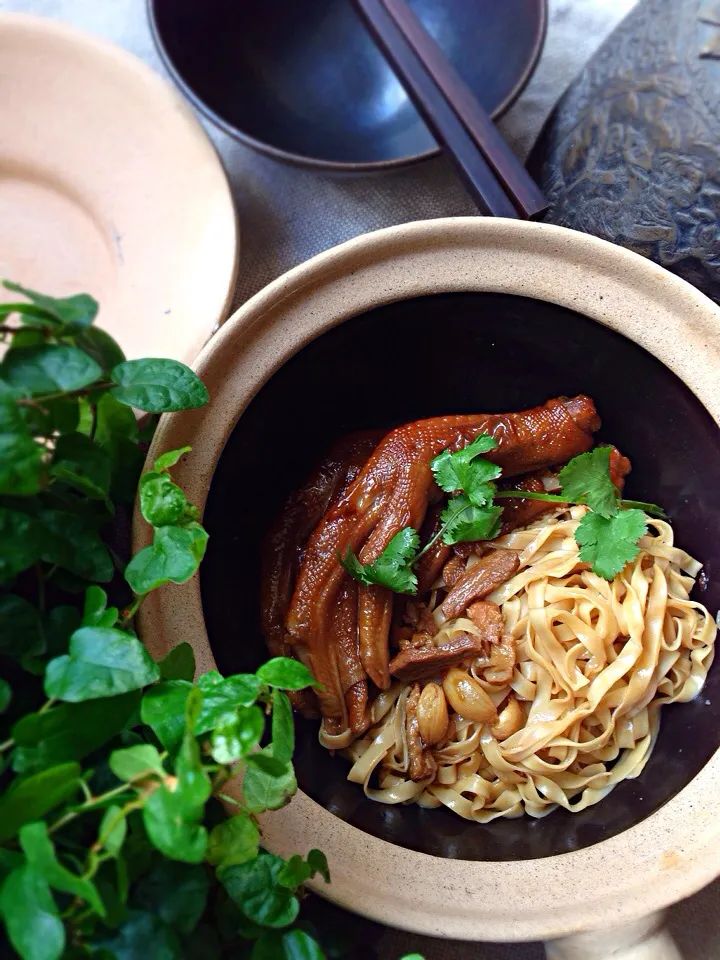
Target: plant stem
(88,805)
(7,745)
(229,799)
(129,612)
(650,508)
(80,392)
(440,532)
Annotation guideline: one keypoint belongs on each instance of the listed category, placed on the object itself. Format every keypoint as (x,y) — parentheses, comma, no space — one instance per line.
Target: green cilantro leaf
(465,470)
(608,543)
(465,521)
(392,568)
(586,479)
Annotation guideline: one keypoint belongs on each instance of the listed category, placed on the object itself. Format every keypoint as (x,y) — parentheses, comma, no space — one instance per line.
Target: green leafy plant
(608,535)
(113,838)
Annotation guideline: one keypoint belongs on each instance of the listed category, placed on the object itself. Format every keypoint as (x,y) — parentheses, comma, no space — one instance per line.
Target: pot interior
(452,354)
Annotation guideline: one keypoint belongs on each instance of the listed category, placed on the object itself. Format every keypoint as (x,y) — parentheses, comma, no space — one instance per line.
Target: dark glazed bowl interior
(303,80)
(466,353)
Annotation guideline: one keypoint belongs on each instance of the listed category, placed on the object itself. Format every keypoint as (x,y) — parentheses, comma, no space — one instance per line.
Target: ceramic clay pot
(456,316)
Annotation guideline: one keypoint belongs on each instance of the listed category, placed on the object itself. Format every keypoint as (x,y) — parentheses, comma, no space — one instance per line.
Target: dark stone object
(632,151)
(450,354)
(303,81)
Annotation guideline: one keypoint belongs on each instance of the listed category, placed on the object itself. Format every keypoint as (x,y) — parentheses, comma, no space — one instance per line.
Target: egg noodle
(593,663)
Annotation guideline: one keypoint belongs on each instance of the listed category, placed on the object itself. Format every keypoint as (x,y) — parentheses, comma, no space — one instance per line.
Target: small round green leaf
(163,709)
(174,557)
(31,916)
(20,542)
(179,664)
(235,840)
(162,502)
(94,607)
(255,889)
(40,852)
(72,542)
(267,791)
(102,663)
(169,459)
(172,821)
(33,797)
(136,763)
(100,346)
(112,830)
(22,467)
(236,734)
(283,728)
(82,464)
(158,386)
(77,311)
(286,674)
(52,368)
(221,696)
(293,945)
(141,934)
(69,731)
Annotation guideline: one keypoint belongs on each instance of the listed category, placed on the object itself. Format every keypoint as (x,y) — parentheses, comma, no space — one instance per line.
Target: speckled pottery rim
(667,856)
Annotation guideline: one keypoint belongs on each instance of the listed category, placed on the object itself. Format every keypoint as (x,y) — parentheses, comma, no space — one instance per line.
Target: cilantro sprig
(608,535)
(393,568)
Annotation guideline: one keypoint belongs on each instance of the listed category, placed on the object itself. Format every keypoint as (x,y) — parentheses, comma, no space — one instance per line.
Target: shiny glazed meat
(283,546)
(391,492)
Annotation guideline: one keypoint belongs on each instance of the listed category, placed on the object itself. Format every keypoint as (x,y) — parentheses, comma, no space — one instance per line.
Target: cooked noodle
(594,662)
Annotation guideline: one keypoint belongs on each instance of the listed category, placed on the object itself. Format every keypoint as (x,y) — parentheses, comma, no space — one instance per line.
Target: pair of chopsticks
(493,175)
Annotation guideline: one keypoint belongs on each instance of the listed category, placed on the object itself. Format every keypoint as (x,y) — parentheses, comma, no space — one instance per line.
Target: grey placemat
(288,215)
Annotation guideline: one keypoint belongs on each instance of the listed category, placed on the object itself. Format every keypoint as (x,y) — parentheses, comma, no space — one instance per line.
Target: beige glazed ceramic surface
(109,185)
(662,859)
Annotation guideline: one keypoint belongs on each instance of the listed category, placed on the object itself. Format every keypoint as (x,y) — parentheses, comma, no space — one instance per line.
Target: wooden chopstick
(492,174)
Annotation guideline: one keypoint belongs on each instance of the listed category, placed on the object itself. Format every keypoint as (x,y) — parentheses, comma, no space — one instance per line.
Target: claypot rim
(660,860)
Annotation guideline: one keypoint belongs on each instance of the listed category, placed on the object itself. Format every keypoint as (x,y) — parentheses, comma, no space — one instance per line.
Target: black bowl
(302,80)
(646,410)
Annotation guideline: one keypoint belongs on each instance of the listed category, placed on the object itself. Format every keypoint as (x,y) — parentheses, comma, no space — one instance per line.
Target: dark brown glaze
(452,571)
(352,675)
(392,492)
(374,613)
(620,467)
(283,545)
(413,663)
(490,572)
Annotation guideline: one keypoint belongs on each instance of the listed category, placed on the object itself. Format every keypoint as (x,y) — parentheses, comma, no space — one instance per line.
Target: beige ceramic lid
(667,856)
(109,185)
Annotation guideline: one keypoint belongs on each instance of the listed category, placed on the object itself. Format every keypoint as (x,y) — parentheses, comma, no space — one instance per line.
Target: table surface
(288,215)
